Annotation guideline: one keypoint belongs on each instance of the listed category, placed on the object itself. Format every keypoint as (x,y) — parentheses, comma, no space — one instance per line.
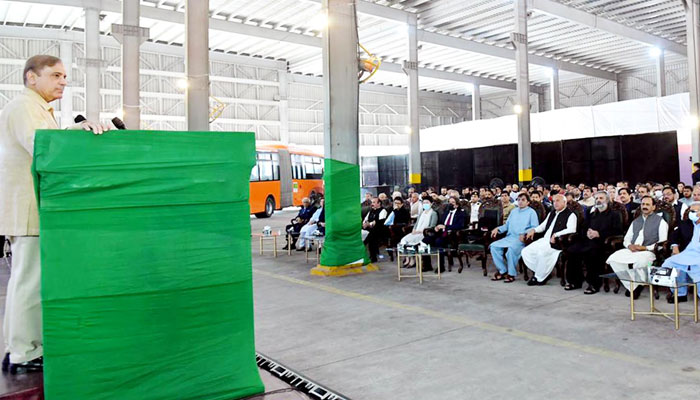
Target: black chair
(476,240)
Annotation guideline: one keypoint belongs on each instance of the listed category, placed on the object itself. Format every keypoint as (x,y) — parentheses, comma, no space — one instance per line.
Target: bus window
(254,176)
(275,166)
(313,167)
(297,167)
(268,169)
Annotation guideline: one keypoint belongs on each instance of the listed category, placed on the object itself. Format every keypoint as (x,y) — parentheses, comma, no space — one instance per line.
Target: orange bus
(282,177)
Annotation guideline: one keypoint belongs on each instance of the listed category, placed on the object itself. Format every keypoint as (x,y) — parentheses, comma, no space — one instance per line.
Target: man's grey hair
(604,193)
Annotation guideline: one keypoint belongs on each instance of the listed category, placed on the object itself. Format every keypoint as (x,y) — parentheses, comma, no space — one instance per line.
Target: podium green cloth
(343,244)
(146,264)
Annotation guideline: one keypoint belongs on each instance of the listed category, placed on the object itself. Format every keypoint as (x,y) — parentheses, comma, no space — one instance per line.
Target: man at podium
(44,81)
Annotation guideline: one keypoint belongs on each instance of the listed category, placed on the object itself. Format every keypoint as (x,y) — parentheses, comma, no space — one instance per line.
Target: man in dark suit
(669,194)
(305,214)
(696,174)
(453,220)
(626,199)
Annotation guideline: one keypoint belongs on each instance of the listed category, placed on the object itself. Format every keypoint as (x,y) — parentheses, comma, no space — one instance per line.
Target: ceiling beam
(394,14)
(572,14)
(507,53)
(264,33)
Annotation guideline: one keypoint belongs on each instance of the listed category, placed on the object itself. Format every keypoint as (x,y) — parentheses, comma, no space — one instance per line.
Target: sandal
(498,277)
(569,286)
(590,290)
(509,279)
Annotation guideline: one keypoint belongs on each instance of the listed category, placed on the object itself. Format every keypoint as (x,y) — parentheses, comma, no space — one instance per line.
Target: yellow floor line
(549,340)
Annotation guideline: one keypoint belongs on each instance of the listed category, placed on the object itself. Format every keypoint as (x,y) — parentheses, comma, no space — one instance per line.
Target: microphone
(79,118)
(118,123)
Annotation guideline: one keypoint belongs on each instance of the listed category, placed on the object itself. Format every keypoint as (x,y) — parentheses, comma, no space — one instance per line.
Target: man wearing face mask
(521,220)
(426,219)
(641,238)
(685,243)
(588,249)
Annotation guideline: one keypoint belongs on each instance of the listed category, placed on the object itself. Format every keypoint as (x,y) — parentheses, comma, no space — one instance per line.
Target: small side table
(419,264)
(318,241)
(267,238)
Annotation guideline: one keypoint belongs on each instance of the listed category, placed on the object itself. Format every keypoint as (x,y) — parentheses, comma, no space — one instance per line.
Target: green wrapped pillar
(146,265)
(343,250)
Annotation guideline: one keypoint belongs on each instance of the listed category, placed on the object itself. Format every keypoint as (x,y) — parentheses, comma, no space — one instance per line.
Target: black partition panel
(546,161)
(456,168)
(430,168)
(653,156)
(635,158)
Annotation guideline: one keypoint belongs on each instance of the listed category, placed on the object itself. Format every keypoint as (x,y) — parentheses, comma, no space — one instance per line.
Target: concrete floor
(465,337)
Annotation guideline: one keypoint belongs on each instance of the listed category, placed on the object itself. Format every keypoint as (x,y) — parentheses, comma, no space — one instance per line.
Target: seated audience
(669,196)
(642,190)
(302,218)
(587,200)
(428,218)
(452,221)
(626,200)
(519,222)
(589,248)
(316,223)
(415,205)
(685,245)
(642,236)
(687,195)
(368,200)
(508,206)
(373,227)
(473,210)
(541,256)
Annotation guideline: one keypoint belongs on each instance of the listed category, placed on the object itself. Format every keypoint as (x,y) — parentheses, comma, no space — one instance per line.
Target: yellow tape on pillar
(525,175)
(414,179)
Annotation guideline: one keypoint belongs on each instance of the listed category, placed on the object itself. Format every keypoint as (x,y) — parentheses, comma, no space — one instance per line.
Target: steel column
(130,35)
(66,52)
(340,83)
(554,96)
(197,64)
(476,102)
(661,74)
(693,40)
(284,106)
(411,69)
(92,63)
(519,38)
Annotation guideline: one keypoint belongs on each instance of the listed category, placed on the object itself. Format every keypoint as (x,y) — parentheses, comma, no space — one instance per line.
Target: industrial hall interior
(349,199)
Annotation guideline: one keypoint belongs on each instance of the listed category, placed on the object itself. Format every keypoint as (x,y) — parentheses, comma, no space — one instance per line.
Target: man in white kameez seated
(642,236)
(307,232)
(540,256)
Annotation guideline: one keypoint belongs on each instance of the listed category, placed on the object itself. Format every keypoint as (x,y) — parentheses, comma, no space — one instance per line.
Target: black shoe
(427,269)
(638,292)
(6,362)
(534,282)
(36,365)
(681,299)
(627,293)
